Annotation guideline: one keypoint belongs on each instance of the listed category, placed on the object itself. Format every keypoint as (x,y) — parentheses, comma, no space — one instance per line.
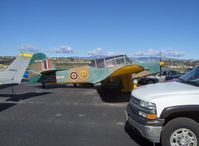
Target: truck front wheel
(180,132)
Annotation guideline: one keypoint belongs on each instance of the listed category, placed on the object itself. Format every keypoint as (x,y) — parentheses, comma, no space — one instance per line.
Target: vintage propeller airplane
(103,70)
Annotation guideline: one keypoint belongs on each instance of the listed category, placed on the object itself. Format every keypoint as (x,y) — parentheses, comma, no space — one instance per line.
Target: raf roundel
(73,75)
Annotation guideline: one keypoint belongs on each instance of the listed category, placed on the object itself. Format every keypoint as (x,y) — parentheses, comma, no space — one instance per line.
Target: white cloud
(158,52)
(96,52)
(62,49)
(100,51)
(172,53)
(28,48)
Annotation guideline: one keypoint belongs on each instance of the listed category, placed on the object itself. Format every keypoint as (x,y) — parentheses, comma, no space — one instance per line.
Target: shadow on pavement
(51,86)
(66,86)
(107,94)
(4,106)
(18,97)
(113,95)
(136,136)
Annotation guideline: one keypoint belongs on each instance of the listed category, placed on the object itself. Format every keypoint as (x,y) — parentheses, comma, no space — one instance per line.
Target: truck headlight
(144,108)
(148,105)
(151,112)
(147,115)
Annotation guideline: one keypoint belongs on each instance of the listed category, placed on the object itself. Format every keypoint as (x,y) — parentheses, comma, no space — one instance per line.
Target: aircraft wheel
(43,85)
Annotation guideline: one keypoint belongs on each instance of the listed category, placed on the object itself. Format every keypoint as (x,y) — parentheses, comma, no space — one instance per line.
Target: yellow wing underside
(125,75)
(126,70)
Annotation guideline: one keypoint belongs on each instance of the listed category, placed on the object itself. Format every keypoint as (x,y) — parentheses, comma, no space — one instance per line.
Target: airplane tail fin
(14,73)
(39,63)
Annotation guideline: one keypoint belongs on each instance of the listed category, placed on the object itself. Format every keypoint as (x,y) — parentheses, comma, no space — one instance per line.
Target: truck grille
(135,106)
(134,100)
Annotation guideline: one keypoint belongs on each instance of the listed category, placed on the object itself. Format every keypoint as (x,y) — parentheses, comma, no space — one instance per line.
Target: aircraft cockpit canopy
(110,61)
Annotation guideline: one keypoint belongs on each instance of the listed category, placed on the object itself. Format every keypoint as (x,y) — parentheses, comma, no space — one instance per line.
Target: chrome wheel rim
(183,137)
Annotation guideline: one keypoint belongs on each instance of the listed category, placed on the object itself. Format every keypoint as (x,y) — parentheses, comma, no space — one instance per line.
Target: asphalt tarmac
(65,116)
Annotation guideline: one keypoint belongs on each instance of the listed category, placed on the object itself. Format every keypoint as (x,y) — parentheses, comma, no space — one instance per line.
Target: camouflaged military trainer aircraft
(14,73)
(103,70)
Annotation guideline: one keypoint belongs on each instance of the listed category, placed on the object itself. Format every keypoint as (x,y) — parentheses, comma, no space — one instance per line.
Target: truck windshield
(191,77)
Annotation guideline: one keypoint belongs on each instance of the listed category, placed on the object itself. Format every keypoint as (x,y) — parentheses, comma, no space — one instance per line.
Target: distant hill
(145,58)
(163,58)
(91,57)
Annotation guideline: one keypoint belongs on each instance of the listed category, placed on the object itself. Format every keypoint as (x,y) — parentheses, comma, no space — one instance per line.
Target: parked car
(148,80)
(160,77)
(167,112)
(172,75)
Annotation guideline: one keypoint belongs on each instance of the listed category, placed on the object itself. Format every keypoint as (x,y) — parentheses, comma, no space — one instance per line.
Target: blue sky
(92,27)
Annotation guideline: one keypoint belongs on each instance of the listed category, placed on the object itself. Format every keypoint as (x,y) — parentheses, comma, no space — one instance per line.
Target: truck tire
(180,132)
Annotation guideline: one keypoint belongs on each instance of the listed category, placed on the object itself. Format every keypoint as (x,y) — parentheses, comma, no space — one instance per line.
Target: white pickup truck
(167,112)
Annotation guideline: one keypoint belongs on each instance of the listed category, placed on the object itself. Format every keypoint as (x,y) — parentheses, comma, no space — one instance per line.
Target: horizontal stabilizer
(14,73)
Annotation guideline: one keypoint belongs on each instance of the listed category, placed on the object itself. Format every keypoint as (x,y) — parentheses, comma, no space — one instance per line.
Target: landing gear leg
(127,84)
(14,98)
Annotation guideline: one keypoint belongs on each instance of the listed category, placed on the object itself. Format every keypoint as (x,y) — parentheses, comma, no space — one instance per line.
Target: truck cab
(167,112)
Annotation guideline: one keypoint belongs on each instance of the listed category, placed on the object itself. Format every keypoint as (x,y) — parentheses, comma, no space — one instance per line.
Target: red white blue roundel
(73,75)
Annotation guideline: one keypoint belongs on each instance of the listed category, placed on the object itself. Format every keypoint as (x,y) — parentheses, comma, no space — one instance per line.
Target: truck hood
(167,89)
